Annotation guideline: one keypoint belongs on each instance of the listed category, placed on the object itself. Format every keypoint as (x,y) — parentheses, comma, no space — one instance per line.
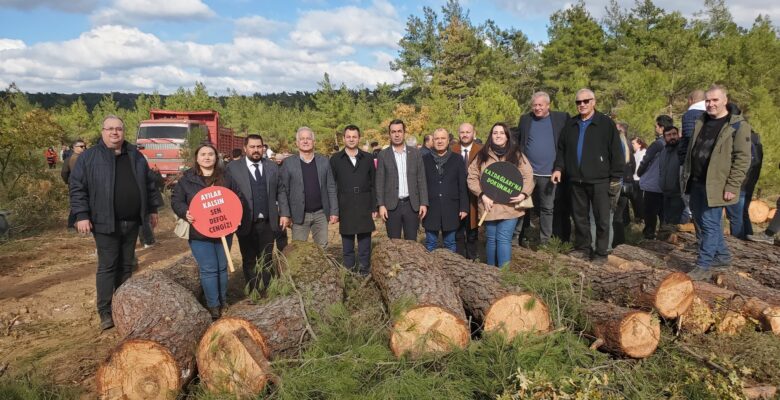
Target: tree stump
(622,331)
(758,211)
(162,323)
(630,285)
(234,352)
(489,300)
(430,314)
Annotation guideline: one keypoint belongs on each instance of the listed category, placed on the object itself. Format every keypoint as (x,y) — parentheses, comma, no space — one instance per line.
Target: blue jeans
(212,264)
(709,221)
(432,239)
(734,213)
(498,238)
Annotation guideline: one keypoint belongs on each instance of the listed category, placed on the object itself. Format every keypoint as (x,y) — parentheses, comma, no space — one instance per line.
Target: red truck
(161,138)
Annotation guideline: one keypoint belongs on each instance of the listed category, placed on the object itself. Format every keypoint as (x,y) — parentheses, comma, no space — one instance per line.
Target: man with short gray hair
(590,153)
(540,130)
(306,180)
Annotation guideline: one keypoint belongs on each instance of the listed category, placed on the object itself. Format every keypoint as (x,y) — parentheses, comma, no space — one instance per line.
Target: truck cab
(162,141)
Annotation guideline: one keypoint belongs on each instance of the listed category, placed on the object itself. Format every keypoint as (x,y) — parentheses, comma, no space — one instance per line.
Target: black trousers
(637,201)
(562,212)
(654,206)
(466,239)
(403,218)
(673,208)
(620,220)
(257,255)
(583,197)
(116,261)
(363,253)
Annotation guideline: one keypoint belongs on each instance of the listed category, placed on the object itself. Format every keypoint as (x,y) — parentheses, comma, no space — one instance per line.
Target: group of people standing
(582,169)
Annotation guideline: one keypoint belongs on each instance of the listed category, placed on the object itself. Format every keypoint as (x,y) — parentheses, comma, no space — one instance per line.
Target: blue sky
(74,46)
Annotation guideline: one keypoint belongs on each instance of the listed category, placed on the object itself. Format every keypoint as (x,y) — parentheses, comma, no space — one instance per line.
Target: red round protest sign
(216,211)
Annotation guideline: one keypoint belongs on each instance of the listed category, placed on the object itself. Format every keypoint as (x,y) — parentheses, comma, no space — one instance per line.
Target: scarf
(499,151)
(441,160)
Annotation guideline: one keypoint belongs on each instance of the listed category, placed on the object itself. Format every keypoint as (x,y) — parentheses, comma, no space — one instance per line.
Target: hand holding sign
(501,182)
(216,212)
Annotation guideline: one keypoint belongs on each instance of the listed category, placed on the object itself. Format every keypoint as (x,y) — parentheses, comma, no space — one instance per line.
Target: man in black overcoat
(445,174)
(354,171)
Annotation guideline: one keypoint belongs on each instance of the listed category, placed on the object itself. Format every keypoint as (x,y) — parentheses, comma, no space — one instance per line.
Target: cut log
(491,302)
(771,214)
(624,332)
(185,272)
(698,319)
(431,317)
(759,260)
(162,323)
(747,286)
(631,285)
(758,211)
(234,352)
(726,308)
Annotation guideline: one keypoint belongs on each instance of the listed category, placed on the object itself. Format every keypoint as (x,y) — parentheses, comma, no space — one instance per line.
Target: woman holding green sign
(501,219)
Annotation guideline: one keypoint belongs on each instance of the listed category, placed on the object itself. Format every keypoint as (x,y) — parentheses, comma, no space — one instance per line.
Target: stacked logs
(161,322)
(233,355)
(733,299)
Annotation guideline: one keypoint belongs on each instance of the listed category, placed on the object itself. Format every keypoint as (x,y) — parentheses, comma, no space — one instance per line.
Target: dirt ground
(48,320)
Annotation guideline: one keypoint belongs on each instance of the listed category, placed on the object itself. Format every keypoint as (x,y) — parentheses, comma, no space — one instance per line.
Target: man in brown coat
(466,238)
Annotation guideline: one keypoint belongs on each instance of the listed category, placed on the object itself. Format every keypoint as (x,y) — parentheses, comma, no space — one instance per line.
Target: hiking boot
(761,238)
(215,312)
(583,254)
(599,259)
(106,322)
(700,274)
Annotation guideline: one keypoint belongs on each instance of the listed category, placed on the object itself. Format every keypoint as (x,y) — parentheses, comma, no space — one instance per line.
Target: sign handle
(482,219)
(231,268)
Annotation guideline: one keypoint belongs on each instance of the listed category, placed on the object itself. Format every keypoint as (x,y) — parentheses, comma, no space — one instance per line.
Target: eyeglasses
(583,101)
(79,145)
(114,129)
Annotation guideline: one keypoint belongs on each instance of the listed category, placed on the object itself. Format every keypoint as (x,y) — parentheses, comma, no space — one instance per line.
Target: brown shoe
(215,312)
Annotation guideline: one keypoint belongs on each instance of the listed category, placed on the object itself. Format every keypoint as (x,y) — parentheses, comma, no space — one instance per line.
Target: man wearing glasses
(112,190)
(590,154)
(78,147)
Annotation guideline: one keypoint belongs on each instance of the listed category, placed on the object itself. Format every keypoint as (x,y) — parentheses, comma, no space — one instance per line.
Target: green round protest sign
(500,181)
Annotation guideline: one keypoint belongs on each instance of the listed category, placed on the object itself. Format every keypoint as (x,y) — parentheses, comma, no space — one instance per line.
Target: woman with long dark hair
(209,253)
(501,218)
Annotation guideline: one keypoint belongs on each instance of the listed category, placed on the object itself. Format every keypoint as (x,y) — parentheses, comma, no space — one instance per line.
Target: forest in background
(641,61)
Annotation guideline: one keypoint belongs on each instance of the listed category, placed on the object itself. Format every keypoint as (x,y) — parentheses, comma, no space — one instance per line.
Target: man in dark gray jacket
(112,191)
(309,188)
(401,189)
(669,181)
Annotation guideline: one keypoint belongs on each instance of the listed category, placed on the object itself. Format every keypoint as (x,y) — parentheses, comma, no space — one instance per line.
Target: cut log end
(139,369)
(233,357)
(758,211)
(639,334)
(428,329)
(698,319)
(517,313)
(674,295)
(730,323)
(770,320)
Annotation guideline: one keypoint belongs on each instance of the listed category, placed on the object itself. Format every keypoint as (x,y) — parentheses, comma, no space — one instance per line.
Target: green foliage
(29,387)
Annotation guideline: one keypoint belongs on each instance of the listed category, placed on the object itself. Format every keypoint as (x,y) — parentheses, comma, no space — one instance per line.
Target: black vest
(259,193)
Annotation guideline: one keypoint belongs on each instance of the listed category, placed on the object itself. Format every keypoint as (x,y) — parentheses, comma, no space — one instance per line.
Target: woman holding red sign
(501,219)
(209,253)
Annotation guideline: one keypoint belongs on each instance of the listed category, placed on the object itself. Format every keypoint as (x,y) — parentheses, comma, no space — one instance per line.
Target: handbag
(527,203)
(182,228)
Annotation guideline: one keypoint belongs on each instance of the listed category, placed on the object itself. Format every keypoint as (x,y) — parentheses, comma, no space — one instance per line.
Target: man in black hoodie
(590,154)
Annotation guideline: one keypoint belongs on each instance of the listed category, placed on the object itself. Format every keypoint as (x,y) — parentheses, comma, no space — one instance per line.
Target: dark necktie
(257,173)
(466,155)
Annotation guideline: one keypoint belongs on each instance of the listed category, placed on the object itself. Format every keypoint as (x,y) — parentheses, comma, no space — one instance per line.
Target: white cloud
(257,25)
(743,11)
(118,58)
(377,25)
(11,44)
(73,6)
(127,12)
